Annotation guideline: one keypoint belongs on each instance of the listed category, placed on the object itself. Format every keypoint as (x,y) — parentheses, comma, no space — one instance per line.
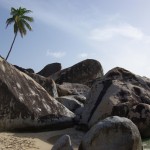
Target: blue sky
(114,32)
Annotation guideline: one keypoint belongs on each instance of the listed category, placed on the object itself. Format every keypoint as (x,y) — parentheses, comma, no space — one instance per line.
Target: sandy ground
(37,141)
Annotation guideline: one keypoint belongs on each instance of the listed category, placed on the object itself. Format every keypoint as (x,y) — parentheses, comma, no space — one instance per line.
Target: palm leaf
(9,21)
(30,19)
(26,11)
(22,28)
(13,11)
(27,25)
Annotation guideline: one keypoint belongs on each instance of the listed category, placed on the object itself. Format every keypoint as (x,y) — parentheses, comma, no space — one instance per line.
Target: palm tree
(20,20)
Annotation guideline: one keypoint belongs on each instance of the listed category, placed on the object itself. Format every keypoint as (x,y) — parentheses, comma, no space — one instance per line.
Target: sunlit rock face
(82,72)
(24,103)
(119,93)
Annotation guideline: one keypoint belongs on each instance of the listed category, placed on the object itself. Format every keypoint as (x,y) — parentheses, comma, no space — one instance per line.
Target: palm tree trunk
(11,45)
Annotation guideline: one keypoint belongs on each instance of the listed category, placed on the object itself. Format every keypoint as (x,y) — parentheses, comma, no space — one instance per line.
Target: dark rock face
(140,115)
(112,133)
(29,70)
(82,72)
(25,104)
(50,69)
(116,94)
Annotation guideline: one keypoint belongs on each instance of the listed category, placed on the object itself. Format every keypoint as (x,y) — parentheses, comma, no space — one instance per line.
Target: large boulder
(50,69)
(113,133)
(24,104)
(82,72)
(116,94)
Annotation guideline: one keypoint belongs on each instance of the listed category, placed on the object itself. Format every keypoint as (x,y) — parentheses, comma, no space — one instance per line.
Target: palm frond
(22,29)
(9,21)
(26,11)
(27,25)
(13,11)
(30,19)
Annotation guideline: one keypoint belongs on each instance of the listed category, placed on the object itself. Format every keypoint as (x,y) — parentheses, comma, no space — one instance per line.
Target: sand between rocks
(37,141)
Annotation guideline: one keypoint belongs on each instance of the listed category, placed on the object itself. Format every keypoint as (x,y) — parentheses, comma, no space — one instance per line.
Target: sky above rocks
(114,32)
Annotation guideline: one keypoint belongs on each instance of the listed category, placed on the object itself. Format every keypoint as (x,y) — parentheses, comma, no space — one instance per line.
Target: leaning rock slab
(26,104)
(113,133)
(63,143)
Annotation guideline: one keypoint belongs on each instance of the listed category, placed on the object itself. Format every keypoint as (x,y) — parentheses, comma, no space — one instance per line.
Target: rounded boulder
(113,133)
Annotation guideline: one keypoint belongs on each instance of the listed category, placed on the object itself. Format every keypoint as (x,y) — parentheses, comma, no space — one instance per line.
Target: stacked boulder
(81,94)
(120,93)
(28,99)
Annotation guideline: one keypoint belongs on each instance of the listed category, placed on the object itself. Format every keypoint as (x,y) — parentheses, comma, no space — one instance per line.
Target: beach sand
(37,141)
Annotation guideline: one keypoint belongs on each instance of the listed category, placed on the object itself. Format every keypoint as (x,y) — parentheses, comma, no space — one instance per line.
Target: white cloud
(82,55)
(123,30)
(57,54)
(128,54)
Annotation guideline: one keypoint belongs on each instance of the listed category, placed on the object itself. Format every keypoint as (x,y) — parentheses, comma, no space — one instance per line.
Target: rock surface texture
(63,143)
(140,115)
(113,133)
(72,89)
(47,83)
(70,102)
(24,103)
(82,72)
(50,69)
(120,93)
